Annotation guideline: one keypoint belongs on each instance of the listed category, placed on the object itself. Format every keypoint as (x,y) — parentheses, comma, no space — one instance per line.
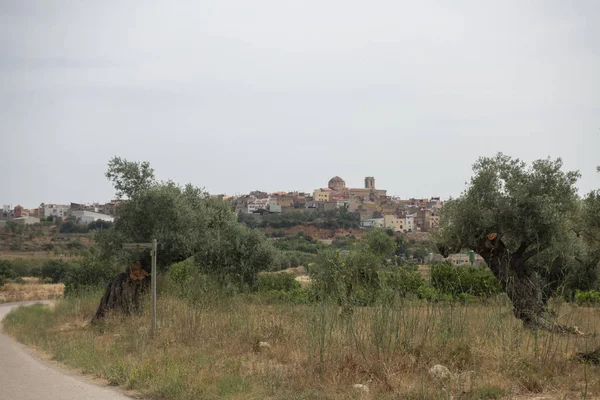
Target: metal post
(154,250)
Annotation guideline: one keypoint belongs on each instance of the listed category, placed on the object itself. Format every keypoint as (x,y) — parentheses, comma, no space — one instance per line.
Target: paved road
(25,377)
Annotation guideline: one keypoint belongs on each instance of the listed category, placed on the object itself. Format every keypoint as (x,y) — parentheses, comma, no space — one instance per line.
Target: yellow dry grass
(32,289)
(213,350)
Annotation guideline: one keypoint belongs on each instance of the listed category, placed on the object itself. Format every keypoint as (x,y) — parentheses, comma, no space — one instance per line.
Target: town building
(26,220)
(398,224)
(85,217)
(55,210)
(373,223)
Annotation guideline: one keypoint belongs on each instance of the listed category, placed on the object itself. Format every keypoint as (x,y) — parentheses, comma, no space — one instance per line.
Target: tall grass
(210,347)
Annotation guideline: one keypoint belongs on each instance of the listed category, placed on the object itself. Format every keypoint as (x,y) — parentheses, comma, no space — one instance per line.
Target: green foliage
(130,178)
(6,271)
(380,243)
(301,243)
(402,282)
(99,225)
(532,209)
(236,253)
(55,270)
(401,248)
(25,267)
(276,281)
(347,279)
(187,222)
(70,226)
(457,280)
(181,272)
(292,259)
(334,219)
(90,273)
(182,219)
(295,296)
(591,297)
(522,204)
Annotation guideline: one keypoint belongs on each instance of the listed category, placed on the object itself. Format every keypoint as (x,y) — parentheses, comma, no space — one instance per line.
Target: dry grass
(212,350)
(32,289)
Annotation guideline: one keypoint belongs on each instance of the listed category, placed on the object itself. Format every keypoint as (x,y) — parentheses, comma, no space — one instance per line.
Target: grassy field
(238,348)
(32,289)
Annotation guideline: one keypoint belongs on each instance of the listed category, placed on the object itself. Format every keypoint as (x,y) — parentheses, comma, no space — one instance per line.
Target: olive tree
(186,221)
(512,215)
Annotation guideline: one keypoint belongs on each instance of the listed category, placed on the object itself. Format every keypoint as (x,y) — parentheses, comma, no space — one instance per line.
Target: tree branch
(532,252)
(524,245)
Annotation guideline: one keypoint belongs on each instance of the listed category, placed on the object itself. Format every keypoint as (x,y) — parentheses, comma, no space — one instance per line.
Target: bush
(591,297)
(295,296)
(456,280)
(21,267)
(55,270)
(402,282)
(279,282)
(347,279)
(90,273)
(237,254)
(6,271)
(181,272)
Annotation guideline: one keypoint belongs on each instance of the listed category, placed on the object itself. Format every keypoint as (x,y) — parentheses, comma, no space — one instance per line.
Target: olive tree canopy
(510,214)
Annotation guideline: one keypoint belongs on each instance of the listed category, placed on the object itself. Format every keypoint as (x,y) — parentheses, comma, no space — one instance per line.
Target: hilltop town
(370,205)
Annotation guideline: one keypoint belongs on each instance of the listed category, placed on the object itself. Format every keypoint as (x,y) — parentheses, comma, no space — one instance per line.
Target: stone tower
(369,182)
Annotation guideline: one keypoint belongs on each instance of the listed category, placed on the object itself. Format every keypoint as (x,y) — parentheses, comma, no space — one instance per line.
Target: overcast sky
(282,95)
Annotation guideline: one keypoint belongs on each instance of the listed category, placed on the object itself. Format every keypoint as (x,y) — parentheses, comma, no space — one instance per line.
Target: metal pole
(154,249)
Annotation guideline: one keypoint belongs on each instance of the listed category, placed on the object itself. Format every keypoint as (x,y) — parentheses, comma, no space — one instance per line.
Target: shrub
(181,272)
(455,280)
(402,282)
(348,279)
(90,273)
(295,296)
(55,270)
(237,254)
(6,271)
(279,282)
(591,297)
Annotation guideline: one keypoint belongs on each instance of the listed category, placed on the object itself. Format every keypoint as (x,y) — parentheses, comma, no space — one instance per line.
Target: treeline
(333,219)
(89,272)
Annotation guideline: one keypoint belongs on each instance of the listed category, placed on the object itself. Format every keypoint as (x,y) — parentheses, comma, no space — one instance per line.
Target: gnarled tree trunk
(123,294)
(520,282)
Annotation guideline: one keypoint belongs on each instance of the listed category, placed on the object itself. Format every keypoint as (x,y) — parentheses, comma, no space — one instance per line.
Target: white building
(85,217)
(410,223)
(56,210)
(372,223)
(257,204)
(27,220)
(273,206)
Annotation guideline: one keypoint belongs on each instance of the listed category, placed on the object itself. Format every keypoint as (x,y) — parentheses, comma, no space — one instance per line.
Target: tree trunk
(123,294)
(521,283)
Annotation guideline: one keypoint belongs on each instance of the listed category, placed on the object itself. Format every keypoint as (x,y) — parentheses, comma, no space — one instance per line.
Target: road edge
(45,358)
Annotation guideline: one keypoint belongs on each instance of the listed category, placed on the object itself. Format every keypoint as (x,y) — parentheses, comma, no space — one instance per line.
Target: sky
(274,95)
